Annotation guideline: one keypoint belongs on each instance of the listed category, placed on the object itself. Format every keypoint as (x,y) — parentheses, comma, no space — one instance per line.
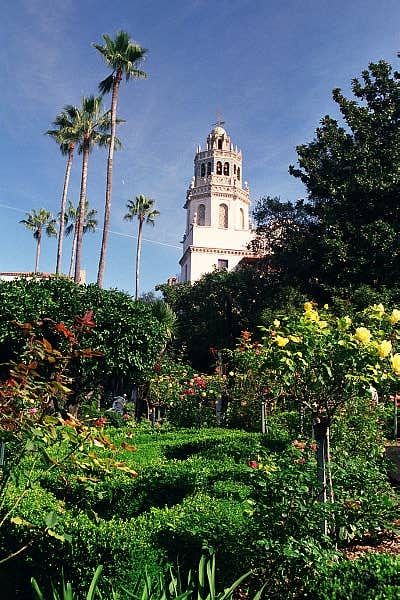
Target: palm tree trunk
(73,251)
(39,237)
(107,206)
(81,214)
(138,254)
(62,209)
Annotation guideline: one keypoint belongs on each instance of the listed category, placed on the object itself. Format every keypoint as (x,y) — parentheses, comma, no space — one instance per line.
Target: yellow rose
(312,315)
(379,309)
(294,338)
(281,341)
(395,316)
(384,348)
(277,323)
(323,324)
(326,306)
(363,335)
(395,360)
(308,306)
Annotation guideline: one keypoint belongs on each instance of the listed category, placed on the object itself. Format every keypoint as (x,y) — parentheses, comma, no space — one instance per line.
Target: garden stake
(321,426)
(2,452)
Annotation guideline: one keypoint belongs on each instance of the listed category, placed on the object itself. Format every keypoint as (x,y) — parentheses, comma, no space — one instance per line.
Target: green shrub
(158,485)
(195,488)
(359,429)
(371,577)
(218,524)
(128,332)
(364,499)
(231,489)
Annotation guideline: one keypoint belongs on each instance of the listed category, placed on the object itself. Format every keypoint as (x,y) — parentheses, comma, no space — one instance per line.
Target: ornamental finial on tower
(220,122)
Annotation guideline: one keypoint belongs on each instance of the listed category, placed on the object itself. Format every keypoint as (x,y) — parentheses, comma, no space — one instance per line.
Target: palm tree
(71,220)
(143,209)
(65,136)
(37,221)
(92,127)
(123,56)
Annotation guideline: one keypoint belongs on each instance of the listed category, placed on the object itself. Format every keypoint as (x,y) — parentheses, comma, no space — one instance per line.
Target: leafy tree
(38,221)
(124,57)
(65,135)
(212,312)
(71,220)
(130,335)
(347,232)
(141,208)
(92,127)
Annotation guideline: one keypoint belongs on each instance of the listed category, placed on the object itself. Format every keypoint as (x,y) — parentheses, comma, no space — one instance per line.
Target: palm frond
(142,208)
(37,220)
(69,229)
(135,74)
(106,85)
(121,55)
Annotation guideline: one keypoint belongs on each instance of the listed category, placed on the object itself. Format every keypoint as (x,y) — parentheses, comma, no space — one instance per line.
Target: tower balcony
(205,235)
(206,182)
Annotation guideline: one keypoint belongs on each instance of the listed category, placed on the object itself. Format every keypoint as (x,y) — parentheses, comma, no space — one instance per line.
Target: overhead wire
(120,233)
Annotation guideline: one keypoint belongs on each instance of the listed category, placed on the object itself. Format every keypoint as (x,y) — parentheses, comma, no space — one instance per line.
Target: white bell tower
(217,208)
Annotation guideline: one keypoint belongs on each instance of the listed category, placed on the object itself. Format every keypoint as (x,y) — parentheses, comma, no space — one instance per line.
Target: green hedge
(371,577)
(128,332)
(267,519)
(125,546)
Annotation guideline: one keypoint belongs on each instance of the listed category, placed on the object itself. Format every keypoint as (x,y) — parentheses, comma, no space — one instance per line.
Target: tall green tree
(93,127)
(65,135)
(71,221)
(39,221)
(347,232)
(124,57)
(142,209)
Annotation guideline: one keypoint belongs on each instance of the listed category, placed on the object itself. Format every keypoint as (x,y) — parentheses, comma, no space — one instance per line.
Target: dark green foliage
(371,577)
(347,232)
(118,521)
(212,312)
(127,332)
(195,490)
(200,585)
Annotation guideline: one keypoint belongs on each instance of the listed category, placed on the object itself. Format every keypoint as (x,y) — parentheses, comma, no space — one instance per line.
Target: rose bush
(188,398)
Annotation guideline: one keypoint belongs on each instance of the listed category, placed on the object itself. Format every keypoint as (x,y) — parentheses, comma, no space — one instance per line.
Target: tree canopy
(346,233)
(212,312)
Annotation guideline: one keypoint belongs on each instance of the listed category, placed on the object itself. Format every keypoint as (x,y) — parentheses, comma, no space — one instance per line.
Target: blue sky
(267,65)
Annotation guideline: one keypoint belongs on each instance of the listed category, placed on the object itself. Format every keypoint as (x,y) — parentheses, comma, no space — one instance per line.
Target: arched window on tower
(234,169)
(226,168)
(223,216)
(201,214)
(238,173)
(208,168)
(219,168)
(203,170)
(241,218)
(220,144)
